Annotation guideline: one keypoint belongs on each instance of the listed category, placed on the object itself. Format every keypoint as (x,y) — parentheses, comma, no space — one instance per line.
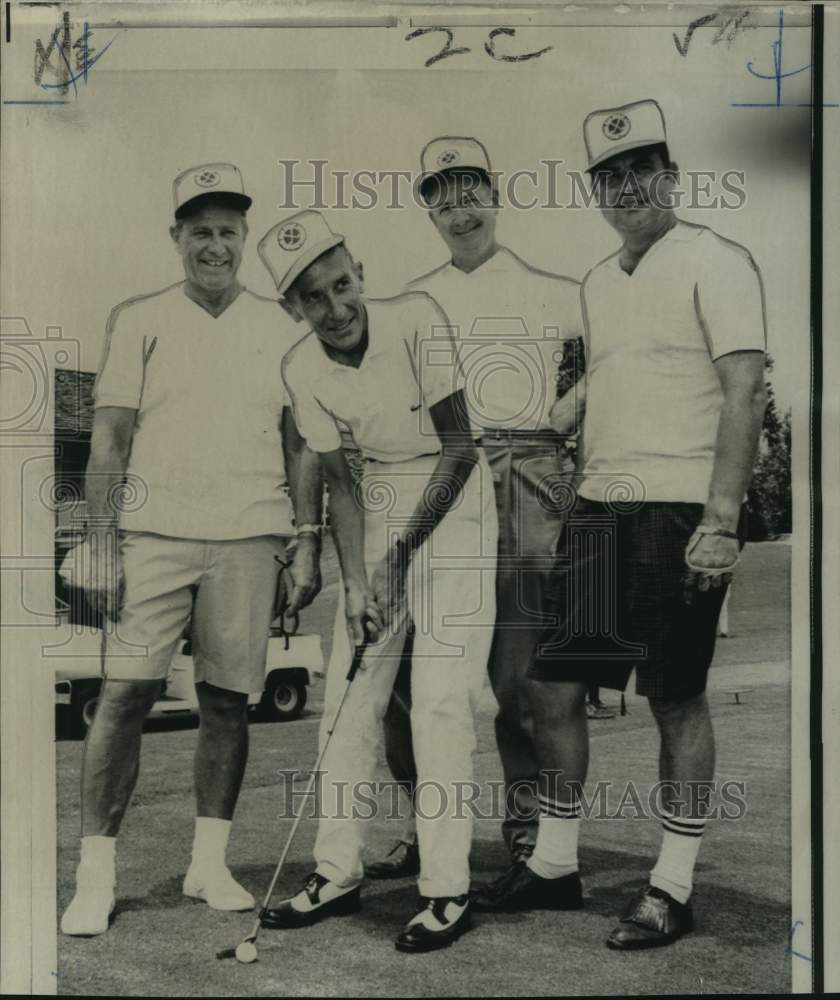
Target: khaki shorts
(226,587)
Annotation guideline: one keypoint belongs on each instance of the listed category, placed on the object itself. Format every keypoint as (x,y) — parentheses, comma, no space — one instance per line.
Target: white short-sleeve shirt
(653,396)
(206,457)
(509,321)
(409,365)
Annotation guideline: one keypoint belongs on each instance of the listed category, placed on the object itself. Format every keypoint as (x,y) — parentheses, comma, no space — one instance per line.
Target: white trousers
(451,601)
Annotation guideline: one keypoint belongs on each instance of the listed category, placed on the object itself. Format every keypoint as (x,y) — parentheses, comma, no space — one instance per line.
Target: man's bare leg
(219,767)
(662,912)
(549,878)
(561,738)
(110,765)
(222,750)
(687,765)
(111,760)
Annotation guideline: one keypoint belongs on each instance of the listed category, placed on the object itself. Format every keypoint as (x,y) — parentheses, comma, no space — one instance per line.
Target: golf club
(246,950)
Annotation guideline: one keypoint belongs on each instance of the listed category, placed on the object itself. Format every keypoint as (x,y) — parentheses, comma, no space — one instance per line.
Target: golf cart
(289,664)
(291,660)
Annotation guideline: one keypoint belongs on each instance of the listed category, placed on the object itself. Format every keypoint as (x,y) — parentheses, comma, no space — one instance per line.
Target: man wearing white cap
(417,546)
(189,405)
(675,397)
(517,329)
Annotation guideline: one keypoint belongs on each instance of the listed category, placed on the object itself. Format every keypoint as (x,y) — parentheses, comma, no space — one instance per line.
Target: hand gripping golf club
(246,950)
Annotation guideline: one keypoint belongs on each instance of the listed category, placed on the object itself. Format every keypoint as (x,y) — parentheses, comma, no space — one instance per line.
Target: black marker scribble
(706,19)
(446,51)
(733,19)
(490,47)
(43,56)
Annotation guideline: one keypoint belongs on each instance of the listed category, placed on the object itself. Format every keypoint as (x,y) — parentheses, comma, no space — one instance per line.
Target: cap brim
(301,264)
(435,178)
(623,147)
(233,198)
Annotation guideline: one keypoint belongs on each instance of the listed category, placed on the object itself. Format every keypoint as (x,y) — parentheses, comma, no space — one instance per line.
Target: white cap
(617,130)
(207,180)
(452,153)
(288,248)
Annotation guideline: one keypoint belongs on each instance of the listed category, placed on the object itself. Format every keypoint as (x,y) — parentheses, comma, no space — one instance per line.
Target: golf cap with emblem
(452,153)
(288,248)
(618,130)
(208,181)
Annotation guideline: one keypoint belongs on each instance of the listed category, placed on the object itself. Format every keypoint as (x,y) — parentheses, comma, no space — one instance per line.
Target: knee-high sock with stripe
(556,850)
(674,869)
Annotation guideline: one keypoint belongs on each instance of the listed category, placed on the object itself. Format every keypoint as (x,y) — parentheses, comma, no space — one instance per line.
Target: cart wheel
(283,699)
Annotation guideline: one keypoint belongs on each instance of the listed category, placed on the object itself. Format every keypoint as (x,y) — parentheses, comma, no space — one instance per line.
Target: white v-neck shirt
(206,457)
(653,397)
(510,321)
(409,365)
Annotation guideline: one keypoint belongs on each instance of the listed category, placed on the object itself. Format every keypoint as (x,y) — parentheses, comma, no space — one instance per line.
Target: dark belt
(398,461)
(496,435)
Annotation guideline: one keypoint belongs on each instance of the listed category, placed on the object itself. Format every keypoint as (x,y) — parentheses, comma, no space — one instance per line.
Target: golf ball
(246,952)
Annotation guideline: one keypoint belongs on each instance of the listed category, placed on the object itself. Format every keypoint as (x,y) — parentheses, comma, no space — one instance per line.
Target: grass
(163,944)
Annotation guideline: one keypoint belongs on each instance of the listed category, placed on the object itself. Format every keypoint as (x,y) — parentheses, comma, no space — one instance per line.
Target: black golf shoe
(437,923)
(402,861)
(286,916)
(521,889)
(521,852)
(653,920)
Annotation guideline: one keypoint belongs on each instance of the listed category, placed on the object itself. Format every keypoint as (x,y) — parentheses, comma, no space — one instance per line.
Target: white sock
(97,863)
(556,850)
(674,869)
(89,911)
(210,842)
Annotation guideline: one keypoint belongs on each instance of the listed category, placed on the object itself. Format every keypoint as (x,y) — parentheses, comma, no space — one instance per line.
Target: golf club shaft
(357,659)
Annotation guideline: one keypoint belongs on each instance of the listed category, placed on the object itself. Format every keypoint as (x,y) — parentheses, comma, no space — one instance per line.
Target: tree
(769,499)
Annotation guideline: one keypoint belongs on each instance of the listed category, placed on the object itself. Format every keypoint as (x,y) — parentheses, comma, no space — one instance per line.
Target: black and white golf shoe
(436,924)
(318,899)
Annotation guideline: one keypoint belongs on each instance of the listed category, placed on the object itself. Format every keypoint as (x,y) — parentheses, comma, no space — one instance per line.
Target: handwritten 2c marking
(489,46)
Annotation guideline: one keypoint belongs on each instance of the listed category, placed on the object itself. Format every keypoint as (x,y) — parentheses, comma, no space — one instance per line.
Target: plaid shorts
(618,594)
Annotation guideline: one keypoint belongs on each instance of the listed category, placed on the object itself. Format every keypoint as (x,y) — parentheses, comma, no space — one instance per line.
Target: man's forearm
(348,531)
(454,466)
(303,472)
(307,488)
(738,433)
(103,477)
(441,494)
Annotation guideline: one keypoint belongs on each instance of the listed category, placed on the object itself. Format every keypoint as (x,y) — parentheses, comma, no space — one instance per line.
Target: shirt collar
(680,232)
(502,260)
(376,344)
